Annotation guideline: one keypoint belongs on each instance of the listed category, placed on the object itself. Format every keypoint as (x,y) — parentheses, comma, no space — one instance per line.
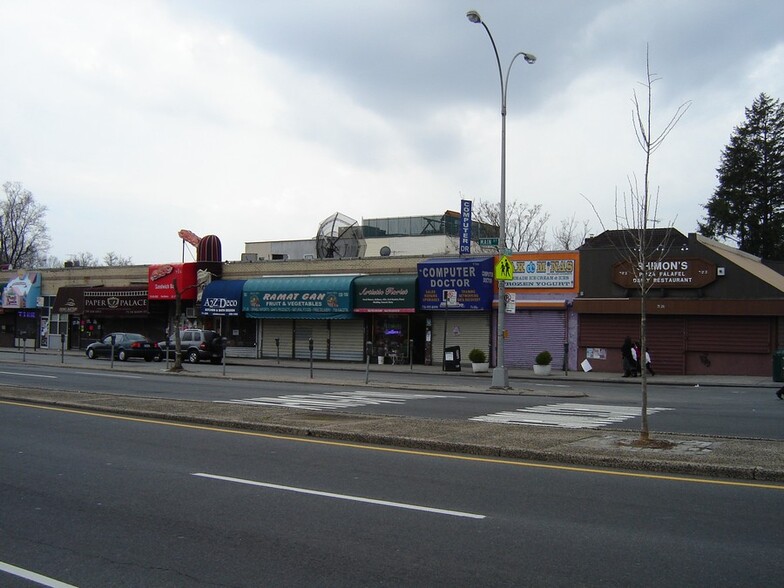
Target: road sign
(504,270)
(489,242)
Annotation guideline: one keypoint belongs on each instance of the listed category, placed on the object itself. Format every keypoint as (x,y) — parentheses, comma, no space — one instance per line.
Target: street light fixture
(500,373)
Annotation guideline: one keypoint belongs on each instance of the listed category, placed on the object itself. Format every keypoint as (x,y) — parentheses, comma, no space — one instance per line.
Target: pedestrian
(648,365)
(636,357)
(628,359)
(780,393)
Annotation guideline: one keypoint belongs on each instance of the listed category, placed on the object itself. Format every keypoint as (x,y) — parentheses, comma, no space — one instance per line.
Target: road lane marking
(334,400)
(33,577)
(397,450)
(566,415)
(403,505)
(28,375)
(109,375)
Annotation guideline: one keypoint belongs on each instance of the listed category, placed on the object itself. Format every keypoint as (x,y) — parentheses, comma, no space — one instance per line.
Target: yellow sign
(504,269)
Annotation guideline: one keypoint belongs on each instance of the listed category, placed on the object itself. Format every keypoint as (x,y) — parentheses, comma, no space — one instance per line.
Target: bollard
(223,342)
(310,347)
(368,351)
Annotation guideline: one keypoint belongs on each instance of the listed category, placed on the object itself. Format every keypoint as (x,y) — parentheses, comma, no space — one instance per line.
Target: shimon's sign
(666,273)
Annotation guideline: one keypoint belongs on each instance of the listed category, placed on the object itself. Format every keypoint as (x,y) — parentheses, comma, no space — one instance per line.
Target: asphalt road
(92,500)
(743,412)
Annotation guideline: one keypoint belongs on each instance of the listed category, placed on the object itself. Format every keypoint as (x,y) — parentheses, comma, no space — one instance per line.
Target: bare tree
(24,237)
(526,225)
(639,245)
(83,259)
(570,234)
(112,259)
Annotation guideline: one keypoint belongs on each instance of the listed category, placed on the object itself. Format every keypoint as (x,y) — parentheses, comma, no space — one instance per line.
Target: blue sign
(463,283)
(465,227)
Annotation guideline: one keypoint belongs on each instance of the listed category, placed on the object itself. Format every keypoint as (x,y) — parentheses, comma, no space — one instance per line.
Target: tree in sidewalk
(639,244)
(747,207)
(24,237)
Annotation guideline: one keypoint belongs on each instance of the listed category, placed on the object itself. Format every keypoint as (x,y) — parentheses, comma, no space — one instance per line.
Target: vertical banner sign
(465,227)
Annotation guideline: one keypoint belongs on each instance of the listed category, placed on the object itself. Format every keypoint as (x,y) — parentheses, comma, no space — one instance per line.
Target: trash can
(778,365)
(452,359)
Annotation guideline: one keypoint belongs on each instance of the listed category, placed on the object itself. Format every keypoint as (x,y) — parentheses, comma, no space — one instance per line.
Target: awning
(222,298)
(385,293)
(69,300)
(465,283)
(298,297)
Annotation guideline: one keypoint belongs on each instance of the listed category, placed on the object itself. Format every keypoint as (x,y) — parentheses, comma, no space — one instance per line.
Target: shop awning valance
(69,300)
(222,298)
(385,293)
(465,283)
(298,297)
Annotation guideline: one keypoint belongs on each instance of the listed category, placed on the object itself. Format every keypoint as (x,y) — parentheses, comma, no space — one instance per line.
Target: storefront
(293,310)
(221,306)
(710,308)
(389,303)
(96,312)
(539,309)
(457,295)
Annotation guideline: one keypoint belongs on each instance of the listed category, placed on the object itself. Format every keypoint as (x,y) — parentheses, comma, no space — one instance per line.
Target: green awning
(385,293)
(298,297)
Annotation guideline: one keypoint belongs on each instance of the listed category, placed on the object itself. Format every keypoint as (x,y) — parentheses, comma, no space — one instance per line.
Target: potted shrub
(478,359)
(542,363)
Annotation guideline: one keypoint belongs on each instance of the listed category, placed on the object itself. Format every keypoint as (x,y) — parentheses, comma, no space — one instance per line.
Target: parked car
(195,345)
(126,345)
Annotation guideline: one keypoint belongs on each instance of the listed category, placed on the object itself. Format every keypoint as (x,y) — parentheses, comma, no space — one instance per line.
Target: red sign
(161,278)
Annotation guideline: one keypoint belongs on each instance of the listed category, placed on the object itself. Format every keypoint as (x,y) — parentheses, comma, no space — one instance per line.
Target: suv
(196,345)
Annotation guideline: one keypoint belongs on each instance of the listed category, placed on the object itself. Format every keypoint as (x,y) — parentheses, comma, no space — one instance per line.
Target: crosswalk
(567,415)
(337,400)
(564,414)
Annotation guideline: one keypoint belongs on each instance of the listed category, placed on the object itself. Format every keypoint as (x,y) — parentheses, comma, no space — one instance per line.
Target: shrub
(543,358)
(477,356)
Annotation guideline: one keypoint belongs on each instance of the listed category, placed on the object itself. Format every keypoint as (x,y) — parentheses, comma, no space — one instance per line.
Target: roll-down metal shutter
(466,329)
(532,331)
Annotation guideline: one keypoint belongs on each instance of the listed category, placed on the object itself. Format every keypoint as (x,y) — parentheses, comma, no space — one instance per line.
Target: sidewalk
(740,459)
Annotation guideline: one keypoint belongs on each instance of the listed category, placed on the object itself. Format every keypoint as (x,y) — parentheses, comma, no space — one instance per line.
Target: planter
(542,370)
(480,367)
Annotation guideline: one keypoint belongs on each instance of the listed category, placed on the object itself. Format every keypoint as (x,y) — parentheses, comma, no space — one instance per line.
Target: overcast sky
(255,120)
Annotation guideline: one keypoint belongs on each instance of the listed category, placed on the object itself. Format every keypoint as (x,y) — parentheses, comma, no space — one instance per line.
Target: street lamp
(500,374)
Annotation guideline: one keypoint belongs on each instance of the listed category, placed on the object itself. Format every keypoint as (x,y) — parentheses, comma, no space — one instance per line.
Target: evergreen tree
(747,207)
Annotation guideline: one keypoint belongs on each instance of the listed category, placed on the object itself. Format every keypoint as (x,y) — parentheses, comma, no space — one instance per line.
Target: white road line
(109,375)
(567,415)
(33,577)
(454,513)
(27,375)
(334,401)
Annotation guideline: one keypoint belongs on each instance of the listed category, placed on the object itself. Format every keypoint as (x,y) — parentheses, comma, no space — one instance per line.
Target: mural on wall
(22,290)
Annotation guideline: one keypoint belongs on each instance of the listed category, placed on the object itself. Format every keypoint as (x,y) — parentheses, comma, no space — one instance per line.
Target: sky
(255,120)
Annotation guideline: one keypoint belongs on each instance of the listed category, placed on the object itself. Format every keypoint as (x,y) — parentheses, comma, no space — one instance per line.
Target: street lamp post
(500,373)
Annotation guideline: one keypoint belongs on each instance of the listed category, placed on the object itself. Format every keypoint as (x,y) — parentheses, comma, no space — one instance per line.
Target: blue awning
(464,283)
(222,298)
(299,297)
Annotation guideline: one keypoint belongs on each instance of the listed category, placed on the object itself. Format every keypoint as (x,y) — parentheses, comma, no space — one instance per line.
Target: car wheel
(122,355)
(193,356)
(91,353)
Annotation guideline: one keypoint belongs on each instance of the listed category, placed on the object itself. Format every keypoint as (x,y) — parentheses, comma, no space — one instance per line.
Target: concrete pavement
(719,457)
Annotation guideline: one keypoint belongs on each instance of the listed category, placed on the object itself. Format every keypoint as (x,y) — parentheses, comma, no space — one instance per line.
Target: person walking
(627,357)
(648,365)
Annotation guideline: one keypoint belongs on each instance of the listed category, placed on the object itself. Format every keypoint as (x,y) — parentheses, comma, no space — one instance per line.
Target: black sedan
(126,345)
